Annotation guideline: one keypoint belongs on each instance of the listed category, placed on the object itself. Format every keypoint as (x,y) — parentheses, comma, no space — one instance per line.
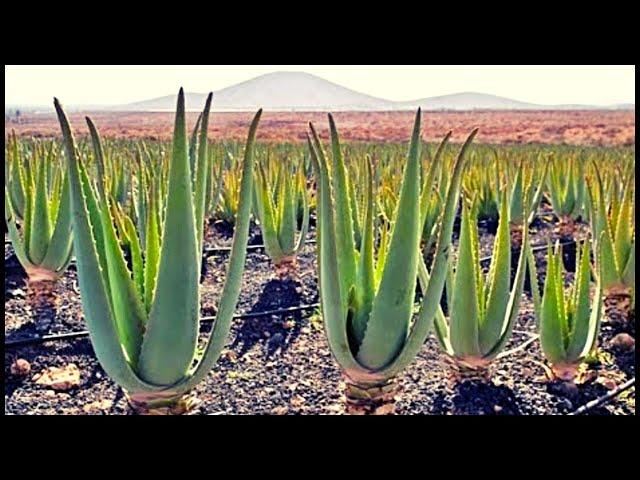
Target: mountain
(469,101)
(299,91)
(274,91)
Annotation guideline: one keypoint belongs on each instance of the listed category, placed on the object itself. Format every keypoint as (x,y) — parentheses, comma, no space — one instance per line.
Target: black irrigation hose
(598,402)
(209,319)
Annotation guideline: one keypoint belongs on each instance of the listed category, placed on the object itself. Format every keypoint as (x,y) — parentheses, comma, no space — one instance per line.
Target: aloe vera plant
(566,185)
(482,182)
(482,310)
(367,316)
(278,192)
(38,216)
(524,196)
(614,231)
(149,347)
(568,319)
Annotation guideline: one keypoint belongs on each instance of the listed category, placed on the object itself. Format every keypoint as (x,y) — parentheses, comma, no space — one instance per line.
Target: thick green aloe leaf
(516,206)
(302,189)
(233,281)
(288,220)
(127,308)
(494,319)
(173,320)
(463,314)
(193,144)
(388,325)
(95,302)
(595,318)
(513,303)
(17,241)
(17,187)
(343,220)
(99,156)
(151,250)
(551,322)
(202,169)
(623,229)
(580,332)
(431,299)
(334,311)
(61,242)
(40,232)
(267,215)
(365,279)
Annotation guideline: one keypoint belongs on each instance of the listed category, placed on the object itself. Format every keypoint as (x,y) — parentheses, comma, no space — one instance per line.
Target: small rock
(623,342)
(20,368)
(230,355)
(288,324)
(297,401)
(59,378)
(282,410)
(386,409)
(17,292)
(497,408)
(336,408)
(97,406)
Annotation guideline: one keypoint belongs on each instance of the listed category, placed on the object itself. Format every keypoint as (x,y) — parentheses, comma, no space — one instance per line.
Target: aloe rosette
(149,348)
(614,232)
(38,215)
(524,196)
(367,315)
(482,310)
(568,320)
(277,197)
(566,184)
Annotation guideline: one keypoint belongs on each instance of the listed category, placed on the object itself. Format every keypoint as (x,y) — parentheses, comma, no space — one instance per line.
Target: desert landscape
(287,245)
(571,127)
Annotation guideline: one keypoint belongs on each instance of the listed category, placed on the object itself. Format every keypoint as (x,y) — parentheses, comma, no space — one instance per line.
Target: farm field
(391,266)
(596,127)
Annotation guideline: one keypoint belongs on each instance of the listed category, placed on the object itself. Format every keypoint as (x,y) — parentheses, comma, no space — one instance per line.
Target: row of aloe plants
(138,256)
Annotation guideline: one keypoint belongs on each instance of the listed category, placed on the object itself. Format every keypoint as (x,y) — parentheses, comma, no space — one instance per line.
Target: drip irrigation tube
(598,402)
(209,319)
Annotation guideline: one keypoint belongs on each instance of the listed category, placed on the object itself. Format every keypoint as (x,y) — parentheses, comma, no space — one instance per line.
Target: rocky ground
(281,364)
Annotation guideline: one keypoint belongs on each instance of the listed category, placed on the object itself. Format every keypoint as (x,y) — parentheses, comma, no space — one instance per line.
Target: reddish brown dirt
(607,128)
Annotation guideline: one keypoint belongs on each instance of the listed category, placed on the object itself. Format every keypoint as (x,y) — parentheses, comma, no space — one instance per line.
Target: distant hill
(468,101)
(274,91)
(299,91)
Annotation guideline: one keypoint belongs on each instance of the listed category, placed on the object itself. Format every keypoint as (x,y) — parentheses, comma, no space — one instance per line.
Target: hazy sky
(117,84)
